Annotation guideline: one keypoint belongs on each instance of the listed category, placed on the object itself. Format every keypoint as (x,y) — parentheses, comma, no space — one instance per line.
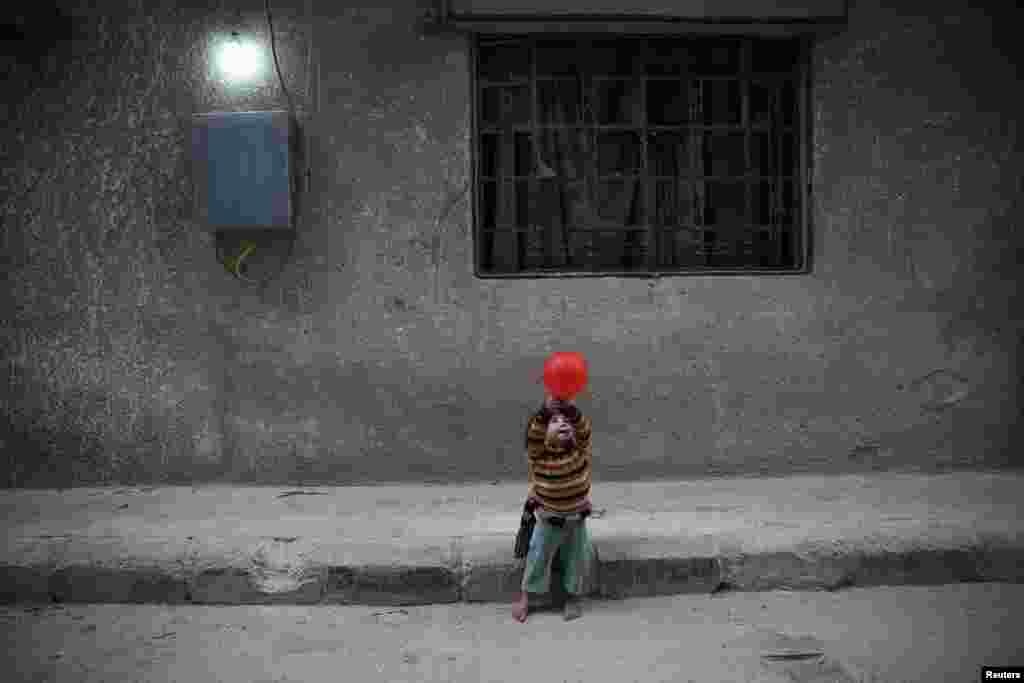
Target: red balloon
(565,374)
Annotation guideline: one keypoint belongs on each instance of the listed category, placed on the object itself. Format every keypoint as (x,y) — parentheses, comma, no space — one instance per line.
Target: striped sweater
(559,478)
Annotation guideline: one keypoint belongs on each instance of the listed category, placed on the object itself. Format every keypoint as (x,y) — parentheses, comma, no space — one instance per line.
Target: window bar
(654,236)
(485,246)
(745,68)
(802,186)
(697,164)
(506,189)
(545,239)
(591,186)
(777,189)
(773,189)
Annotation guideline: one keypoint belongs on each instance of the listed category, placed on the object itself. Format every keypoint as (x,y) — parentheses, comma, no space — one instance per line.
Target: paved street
(877,635)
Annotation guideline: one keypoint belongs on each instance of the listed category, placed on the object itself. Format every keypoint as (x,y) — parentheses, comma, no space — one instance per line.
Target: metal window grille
(639,156)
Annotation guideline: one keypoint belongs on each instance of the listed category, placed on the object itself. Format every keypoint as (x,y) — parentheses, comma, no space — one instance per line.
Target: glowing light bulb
(238,60)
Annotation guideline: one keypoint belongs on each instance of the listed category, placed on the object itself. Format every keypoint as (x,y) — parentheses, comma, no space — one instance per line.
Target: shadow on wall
(33,32)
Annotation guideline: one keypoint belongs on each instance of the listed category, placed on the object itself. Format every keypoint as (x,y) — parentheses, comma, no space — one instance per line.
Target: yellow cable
(234,264)
(247,248)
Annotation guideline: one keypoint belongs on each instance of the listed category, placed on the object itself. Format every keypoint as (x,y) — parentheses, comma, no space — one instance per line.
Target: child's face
(560,430)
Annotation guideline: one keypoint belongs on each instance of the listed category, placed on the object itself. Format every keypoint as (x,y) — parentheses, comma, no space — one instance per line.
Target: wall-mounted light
(239,60)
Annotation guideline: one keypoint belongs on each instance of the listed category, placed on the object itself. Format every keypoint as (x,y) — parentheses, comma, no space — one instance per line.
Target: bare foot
(573,609)
(520,609)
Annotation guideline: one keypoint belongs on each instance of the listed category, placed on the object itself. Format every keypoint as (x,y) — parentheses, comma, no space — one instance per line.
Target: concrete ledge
(656,576)
(235,586)
(1002,564)
(24,584)
(130,586)
(499,582)
(90,584)
(383,585)
(246,545)
(922,567)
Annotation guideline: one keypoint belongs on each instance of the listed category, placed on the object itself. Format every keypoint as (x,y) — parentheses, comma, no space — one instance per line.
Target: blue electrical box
(243,166)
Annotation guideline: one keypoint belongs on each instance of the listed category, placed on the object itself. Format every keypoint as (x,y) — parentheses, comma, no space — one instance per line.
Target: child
(558,452)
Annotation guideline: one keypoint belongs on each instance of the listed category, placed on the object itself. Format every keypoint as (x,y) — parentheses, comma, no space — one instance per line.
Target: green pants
(571,544)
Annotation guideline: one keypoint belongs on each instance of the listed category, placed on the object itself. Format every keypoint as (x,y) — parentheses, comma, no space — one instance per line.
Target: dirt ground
(876,635)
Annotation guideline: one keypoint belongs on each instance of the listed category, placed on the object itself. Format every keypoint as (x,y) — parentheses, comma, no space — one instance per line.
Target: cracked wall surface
(377,355)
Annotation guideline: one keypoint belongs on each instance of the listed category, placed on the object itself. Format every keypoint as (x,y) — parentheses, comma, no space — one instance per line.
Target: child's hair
(544,413)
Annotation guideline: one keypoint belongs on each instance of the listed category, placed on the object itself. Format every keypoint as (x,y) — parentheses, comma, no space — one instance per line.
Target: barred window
(639,156)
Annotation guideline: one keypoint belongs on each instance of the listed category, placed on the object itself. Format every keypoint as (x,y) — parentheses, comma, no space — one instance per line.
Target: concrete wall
(378,355)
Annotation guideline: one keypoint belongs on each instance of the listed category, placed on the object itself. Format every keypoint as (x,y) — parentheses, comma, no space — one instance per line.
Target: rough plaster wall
(919,178)
(377,355)
(106,377)
(115,300)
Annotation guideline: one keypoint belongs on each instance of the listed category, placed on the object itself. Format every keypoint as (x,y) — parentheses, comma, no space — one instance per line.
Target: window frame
(803,126)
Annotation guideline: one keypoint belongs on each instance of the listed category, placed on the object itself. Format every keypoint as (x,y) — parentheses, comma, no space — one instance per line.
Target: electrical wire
(277,64)
(234,265)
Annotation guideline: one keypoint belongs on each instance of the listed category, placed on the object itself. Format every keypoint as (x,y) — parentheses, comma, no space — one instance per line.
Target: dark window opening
(639,156)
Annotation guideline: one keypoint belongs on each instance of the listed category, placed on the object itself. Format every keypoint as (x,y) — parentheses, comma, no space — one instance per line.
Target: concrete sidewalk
(396,545)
